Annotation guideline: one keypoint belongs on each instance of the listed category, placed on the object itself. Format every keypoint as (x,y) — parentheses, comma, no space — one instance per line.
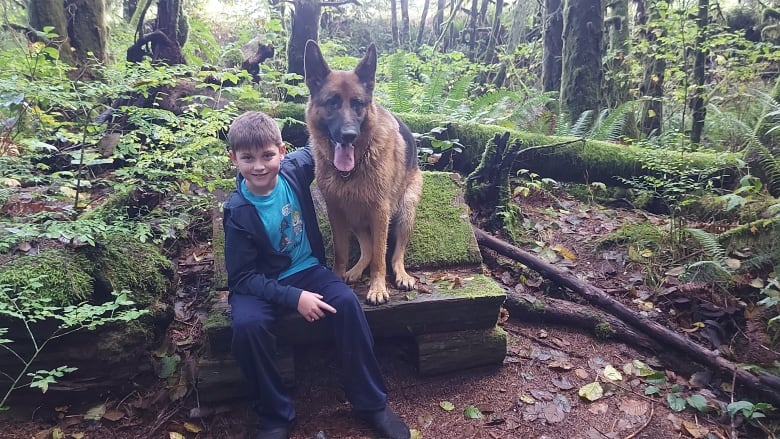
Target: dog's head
(339,101)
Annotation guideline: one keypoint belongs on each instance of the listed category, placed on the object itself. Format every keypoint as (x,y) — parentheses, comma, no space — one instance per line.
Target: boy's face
(259,166)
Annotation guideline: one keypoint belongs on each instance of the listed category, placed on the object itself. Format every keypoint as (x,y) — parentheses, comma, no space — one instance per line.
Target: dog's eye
(358,105)
(333,102)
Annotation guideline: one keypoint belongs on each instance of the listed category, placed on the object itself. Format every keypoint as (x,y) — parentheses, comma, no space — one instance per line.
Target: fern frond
(610,123)
(581,127)
(710,244)
(399,99)
(434,93)
(459,92)
(770,165)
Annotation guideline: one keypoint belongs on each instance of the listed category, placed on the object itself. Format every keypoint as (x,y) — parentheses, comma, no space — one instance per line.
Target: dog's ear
(315,69)
(366,68)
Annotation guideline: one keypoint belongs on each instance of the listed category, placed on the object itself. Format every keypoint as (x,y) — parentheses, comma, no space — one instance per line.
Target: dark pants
(254,346)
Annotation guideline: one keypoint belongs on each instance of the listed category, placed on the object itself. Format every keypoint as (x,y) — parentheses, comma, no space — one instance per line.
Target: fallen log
(564,312)
(765,384)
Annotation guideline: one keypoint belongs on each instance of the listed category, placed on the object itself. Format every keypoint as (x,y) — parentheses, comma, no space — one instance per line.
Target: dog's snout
(348,136)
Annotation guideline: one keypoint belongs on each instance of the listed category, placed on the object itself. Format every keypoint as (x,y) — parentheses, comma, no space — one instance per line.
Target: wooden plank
(473,305)
(220,379)
(451,351)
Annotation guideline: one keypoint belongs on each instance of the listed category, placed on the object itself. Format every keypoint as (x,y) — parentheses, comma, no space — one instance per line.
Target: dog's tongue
(344,157)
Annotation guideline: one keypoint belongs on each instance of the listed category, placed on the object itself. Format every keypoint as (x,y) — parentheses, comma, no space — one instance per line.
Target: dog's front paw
(405,281)
(353,275)
(377,296)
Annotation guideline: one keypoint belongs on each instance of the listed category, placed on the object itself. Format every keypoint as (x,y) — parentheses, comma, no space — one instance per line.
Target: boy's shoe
(386,423)
(282,432)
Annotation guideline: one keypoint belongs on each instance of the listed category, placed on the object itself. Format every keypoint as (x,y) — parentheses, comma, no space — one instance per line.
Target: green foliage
(72,284)
(27,307)
(750,411)
(715,268)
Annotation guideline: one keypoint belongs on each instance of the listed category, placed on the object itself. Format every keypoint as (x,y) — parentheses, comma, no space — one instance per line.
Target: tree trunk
(553,45)
(44,13)
(617,75)
(169,15)
(490,52)
(87,31)
(404,37)
(472,42)
(581,68)
(421,30)
(438,20)
(305,26)
(699,104)
(652,88)
(394,21)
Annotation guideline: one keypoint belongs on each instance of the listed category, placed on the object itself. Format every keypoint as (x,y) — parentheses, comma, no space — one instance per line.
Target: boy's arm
(241,254)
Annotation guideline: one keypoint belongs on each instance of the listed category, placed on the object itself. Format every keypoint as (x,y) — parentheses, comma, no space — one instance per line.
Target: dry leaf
(175,435)
(695,430)
(528,399)
(612,374)
(581,373)
(598,408)
(113,415)
(192,428)
(592,391)
(633,407)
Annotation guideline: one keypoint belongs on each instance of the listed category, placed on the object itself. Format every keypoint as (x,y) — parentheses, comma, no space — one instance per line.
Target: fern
(434,92)
(770,164)
(582,126)
(610,123)
(398,98)
(715,269)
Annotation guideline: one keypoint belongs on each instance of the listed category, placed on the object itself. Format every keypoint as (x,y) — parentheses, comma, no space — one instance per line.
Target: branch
(764,383)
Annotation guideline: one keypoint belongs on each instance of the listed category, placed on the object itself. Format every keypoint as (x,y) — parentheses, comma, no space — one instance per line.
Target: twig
(650,400)
(649,418)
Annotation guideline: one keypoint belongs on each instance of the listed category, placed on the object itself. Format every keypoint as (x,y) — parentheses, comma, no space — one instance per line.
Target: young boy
(274,258)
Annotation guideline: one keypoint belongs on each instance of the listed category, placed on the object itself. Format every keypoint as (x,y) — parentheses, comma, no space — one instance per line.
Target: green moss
(65,275)
(442,234)
(474,286)
(121,262)
(641,235)
(604,331)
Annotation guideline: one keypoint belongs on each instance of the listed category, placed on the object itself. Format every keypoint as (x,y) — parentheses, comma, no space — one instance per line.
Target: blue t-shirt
(281,215)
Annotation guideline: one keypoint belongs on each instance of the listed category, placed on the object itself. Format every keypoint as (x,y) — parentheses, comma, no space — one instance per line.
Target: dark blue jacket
(252,263)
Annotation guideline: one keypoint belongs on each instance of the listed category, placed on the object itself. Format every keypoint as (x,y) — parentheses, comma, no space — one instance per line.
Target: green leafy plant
(28,307)
(750,411)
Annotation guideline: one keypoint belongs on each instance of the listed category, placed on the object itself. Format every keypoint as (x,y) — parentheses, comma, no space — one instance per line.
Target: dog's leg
(377,290)
(402,230)
(340,231)
(364,239)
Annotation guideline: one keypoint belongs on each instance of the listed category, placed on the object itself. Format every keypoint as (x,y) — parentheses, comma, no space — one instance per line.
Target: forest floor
(534,394)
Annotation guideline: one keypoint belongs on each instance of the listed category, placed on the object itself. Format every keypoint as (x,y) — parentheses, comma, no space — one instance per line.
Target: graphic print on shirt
(290,229)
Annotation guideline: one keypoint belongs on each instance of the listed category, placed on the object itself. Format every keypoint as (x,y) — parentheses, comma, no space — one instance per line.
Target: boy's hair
(253,129)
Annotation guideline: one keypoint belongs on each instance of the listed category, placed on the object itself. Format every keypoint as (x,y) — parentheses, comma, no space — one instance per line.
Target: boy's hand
(312,307)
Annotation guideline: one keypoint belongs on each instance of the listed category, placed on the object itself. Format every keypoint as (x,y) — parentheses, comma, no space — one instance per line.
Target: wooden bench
(451,318)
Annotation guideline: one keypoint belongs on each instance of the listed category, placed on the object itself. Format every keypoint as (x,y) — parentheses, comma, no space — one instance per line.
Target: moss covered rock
(65,276)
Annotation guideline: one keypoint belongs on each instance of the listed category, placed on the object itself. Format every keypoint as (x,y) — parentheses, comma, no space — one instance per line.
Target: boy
(274,258)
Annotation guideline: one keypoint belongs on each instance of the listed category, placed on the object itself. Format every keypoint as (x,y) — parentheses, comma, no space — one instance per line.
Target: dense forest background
(113,117)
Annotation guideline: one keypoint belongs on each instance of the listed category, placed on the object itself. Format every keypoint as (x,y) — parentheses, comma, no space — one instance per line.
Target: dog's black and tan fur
(366,168)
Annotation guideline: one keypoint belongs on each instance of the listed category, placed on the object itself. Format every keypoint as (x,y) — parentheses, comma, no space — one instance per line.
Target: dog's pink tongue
(344,157)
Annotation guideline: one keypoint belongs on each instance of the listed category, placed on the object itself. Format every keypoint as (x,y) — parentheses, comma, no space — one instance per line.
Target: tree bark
(43,13)
(394,21)
(472,42)
(423,19)
(698,103)
(87,31)
(490,52)
(553,45)
(404,36)
(563,312)
(304,27)
(617,79)
(652,88)
(767,385)
(581,68)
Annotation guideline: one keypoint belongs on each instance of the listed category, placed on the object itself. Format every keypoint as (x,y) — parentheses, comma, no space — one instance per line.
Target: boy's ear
(283,149)
(232,156)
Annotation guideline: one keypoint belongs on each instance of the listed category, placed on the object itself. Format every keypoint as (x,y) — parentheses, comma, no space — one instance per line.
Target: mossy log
(110,355)
(560,158)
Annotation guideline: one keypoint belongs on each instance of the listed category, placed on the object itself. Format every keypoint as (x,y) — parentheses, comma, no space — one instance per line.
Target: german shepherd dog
(366,168)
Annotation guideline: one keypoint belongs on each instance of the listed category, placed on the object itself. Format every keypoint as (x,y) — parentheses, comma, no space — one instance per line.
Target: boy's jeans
(254,346)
